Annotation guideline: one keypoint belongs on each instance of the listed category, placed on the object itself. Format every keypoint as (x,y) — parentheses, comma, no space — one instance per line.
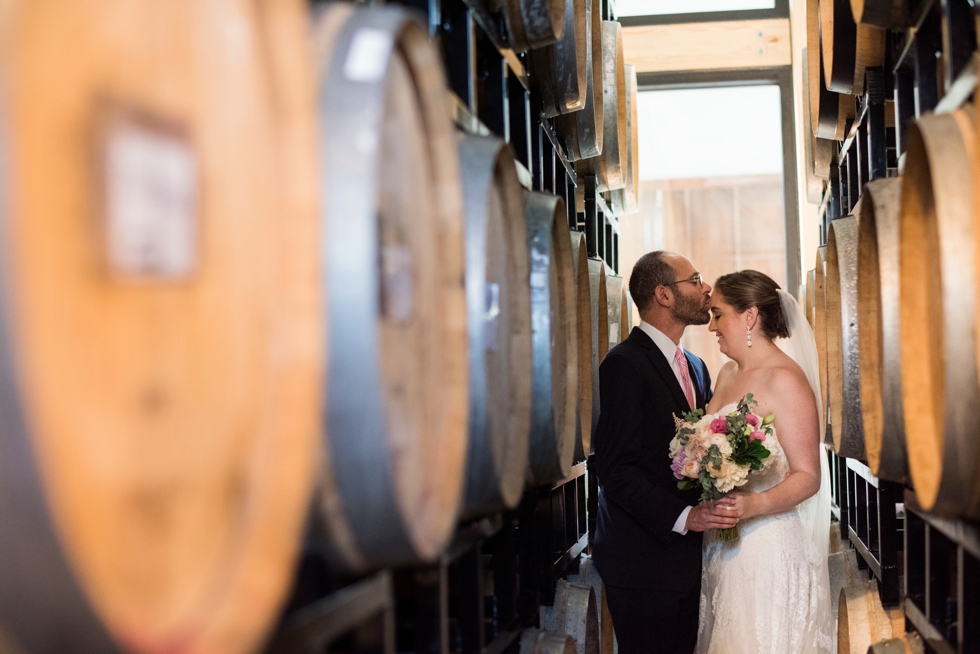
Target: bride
(768,592)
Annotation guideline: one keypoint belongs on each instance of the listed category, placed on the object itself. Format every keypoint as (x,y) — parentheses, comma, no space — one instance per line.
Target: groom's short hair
(652,270)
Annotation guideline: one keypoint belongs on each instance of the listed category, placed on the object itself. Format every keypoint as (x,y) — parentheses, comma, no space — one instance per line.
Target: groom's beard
(690,310)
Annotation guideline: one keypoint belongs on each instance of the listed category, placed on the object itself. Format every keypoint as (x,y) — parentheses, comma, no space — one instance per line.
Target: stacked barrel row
(895,313)
(844,39)
(250,277)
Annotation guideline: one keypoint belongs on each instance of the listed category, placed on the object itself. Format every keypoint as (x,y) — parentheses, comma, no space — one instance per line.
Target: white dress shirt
(669,349)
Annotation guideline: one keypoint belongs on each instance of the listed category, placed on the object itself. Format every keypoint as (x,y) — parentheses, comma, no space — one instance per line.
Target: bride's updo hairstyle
(750,288)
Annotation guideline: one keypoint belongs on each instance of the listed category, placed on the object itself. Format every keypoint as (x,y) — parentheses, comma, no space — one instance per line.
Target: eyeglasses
(696,280)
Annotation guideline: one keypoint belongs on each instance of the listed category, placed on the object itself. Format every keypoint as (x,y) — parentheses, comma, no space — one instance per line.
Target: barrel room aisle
(303,306)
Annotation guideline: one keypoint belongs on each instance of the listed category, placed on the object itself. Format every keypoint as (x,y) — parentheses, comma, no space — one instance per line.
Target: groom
(648,538)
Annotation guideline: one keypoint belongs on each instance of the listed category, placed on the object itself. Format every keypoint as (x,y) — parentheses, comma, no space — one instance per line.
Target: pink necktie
(681,361)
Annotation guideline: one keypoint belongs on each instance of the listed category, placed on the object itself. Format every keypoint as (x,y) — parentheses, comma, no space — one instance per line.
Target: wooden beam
(763,43)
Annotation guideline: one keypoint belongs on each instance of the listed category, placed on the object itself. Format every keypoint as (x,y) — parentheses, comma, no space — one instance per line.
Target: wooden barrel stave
(617,310)
(581,131)
(818,151)
(843,357)
(398,373)
(878,330)
(600,332)
(937,319)
(152,491)
(811,281)
(499,307)
(610,166)
(848,48)
(561,68)
(533,23)
(555,339)
(625,201)
(861,620)
(888,14)
(829,111)
(537,641)
(588,369)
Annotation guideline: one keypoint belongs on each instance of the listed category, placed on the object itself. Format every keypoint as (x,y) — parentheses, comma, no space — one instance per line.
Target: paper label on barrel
(491,317)
(613,333)
(367,59)
(151,203)
(396,283)
(539,279)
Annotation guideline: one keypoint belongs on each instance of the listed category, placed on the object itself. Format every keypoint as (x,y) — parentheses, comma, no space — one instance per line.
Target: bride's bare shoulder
(789,380)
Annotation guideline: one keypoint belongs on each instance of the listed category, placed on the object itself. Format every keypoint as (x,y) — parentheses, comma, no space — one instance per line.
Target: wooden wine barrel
(577,614)
(600,303)
(625,201)
(889,14)
(848,47)
(554,324)
(499,310)
(398,374)
(588,346)
(878,332)
(533,23)
(820,330)
(537,641)
(610,166)
(589,575)
(811,280)
(818,151)
(560,69)
(843,357)
(829,111)
(861,620)
(581,131)
(908,643)
(160,340)
(617,310)
(937,252)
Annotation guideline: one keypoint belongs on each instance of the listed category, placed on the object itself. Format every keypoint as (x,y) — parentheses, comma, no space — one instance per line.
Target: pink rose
(752,419)
(757,436)
(719,425)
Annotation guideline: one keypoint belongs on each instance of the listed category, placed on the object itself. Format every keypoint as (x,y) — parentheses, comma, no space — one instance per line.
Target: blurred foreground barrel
(554,324)
(577,614)
(499,310)
(160,322)
(938,315)
(890,14)
(848,48)
(829,111)
(588,345)
(843,360)
(581,131)
(536,641)
(878,332)
(861,620)
(617,310)
(610,166)
(820,330)
(397,400)
(626,200)
(560,69)
(533,23)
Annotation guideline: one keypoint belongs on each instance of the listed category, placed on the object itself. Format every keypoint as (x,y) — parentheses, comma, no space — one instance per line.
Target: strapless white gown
(767,592)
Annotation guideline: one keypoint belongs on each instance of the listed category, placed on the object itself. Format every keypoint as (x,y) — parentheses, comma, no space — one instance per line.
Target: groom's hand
(710,515)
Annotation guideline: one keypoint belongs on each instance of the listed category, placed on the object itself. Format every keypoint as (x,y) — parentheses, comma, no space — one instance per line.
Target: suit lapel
(663,367)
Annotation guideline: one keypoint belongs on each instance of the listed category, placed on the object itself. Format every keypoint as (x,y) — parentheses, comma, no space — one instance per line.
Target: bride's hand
(739,504)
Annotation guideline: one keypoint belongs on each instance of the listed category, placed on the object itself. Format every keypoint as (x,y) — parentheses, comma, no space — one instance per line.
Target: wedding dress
(768,592)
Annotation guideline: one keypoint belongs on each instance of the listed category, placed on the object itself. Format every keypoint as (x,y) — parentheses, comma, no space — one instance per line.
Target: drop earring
(748,335)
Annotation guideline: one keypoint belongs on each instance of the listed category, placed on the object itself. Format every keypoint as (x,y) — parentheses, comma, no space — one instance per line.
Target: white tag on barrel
(151,203)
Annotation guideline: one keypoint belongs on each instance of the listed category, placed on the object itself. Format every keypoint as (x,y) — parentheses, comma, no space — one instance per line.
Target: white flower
(728,475)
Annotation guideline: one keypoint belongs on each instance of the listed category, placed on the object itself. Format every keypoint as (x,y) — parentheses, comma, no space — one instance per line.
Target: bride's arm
(797,428)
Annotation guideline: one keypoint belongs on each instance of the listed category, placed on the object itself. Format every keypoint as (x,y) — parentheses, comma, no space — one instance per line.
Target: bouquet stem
(729,534)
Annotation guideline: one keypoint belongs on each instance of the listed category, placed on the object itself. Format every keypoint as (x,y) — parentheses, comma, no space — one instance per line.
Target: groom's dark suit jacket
(635,545)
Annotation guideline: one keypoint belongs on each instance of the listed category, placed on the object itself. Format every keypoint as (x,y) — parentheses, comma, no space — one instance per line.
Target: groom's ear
(663,296)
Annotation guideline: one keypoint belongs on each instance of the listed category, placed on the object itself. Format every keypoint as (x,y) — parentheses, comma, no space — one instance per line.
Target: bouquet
(717,452)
